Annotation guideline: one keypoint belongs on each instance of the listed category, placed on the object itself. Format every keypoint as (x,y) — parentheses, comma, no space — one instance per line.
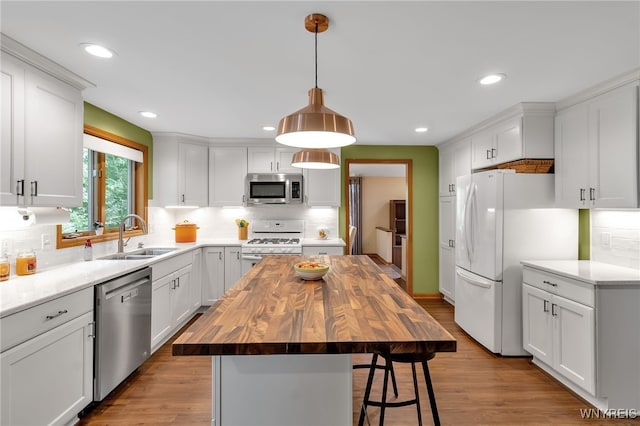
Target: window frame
(140,203)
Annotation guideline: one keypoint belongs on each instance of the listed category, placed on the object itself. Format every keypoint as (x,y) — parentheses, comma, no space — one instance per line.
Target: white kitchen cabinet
(325,249)
(597,149)
(171,297)
(322,187)
(51,368)
(271,160)
(213,280)
(41,146)
(232,266)
(454,160)
(558,330)
(227,172)
(180,170)
(447,235)
(522,132)
(195,282)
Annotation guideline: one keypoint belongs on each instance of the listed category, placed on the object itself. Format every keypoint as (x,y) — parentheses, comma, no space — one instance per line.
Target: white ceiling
(224,69)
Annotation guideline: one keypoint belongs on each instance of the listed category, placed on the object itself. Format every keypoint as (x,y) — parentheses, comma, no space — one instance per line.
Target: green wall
(101,119)
(584,243)
(425,205)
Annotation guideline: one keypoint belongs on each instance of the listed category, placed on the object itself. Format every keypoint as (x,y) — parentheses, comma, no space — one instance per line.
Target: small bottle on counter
(88,250)
(26,262)
(4,267)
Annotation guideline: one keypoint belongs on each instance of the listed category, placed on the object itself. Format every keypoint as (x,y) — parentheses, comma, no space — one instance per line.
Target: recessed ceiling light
(421,129)
(148,114)
(97,50)
(268,128)
(492,79)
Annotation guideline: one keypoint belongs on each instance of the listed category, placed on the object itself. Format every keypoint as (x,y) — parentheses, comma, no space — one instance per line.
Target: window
(114,185)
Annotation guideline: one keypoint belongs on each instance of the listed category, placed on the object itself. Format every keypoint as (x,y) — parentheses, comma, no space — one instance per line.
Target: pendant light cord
(316,46)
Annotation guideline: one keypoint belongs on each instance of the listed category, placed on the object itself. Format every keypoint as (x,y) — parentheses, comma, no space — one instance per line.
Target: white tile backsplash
(213,222)
(615,237)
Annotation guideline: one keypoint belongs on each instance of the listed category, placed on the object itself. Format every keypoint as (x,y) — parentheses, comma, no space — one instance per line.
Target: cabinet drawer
(322,250)
(575,290)
(34,321)
(171,265)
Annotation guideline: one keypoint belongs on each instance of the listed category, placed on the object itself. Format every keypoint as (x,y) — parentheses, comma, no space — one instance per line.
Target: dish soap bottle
(88,250)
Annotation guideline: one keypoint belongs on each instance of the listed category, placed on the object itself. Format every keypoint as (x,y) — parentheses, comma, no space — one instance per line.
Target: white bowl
(311,271)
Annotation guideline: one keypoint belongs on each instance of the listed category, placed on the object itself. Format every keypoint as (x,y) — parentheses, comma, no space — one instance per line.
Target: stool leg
(383,405)
(432,396)
(367,390)
(417,392)
(393,382)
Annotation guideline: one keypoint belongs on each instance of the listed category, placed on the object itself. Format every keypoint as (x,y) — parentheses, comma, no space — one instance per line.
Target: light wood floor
(472,386)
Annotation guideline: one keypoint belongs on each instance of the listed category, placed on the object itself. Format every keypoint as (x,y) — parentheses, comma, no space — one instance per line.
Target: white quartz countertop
(22,292)
(313,242)
(596,273)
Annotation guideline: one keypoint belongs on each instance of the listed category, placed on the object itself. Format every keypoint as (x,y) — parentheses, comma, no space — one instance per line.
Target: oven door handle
(250,257)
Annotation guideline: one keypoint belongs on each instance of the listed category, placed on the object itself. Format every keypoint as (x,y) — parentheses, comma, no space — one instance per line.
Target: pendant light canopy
(315,159)
(315,126)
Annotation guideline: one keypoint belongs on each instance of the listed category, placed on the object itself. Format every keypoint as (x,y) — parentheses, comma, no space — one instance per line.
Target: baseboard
(427,296)
(376,257)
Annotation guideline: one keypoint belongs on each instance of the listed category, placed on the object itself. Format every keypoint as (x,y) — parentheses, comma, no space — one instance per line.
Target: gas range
(275,237)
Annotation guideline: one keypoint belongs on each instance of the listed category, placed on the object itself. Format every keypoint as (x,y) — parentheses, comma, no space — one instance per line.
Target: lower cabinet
(223,267)
(232,266)
(322,250)
(171,299)
(49,378)
(195,282)
(560,332)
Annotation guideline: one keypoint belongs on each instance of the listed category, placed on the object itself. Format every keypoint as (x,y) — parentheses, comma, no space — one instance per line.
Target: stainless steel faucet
(121,243)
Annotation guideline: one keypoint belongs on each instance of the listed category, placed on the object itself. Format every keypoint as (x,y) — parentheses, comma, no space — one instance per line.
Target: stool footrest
(392,404)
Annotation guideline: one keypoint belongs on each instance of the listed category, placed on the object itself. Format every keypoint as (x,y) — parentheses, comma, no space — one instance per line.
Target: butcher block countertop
(356,308)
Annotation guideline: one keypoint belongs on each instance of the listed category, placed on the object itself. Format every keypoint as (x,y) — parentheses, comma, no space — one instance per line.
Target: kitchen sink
(140,254)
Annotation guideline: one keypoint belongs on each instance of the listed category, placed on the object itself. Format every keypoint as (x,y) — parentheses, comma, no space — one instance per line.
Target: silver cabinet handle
(550,283)
(592,194)
(277,166)
(92,333)
(545,308)
(178,282)
(20,187)
(453,187)
(34,188)
(553,310)
(582,190)
(271,166)
(50,317)
(238,255)
(494,153)
(182,198)
(488,154)
(219,255)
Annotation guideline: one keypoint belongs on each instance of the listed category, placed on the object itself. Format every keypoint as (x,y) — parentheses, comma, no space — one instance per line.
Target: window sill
(108,235)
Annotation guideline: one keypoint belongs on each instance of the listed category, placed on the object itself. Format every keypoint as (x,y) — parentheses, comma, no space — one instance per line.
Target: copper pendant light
(315,159)
(315,126)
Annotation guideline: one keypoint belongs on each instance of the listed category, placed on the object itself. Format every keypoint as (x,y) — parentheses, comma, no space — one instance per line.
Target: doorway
(370,170)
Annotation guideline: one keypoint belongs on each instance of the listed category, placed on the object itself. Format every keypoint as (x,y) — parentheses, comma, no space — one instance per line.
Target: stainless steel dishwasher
(123,329)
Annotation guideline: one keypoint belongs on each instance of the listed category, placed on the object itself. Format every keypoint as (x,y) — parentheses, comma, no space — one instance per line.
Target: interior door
(485,234)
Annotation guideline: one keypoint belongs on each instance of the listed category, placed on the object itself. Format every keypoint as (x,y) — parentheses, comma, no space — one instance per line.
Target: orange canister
(26,262)
(186,232)
(4,268)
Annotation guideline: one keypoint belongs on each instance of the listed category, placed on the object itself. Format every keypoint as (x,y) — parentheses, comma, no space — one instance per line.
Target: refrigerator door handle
(466,223)
(470,214)
(474,279)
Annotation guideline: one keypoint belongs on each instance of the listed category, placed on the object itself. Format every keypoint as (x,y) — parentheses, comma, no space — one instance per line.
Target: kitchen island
(299,337)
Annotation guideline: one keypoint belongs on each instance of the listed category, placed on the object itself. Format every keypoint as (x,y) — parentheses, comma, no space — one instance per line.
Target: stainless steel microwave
(273,188)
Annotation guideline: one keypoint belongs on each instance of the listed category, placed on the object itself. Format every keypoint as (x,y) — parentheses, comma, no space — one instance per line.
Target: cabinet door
(445,173)
(508,141)
(447,273)
(322,187)
(181,296)
(574,335)
(195,282)
(232,266)
(613,153)
(447,228)
(12,136)
(482,149)
(49,379)
(193,169)
(261,160)
(227,173)
(322,250)
(213,283)
(283,160)
(161,310)
(461,161)
(571,157)
(53,141)
(537,325)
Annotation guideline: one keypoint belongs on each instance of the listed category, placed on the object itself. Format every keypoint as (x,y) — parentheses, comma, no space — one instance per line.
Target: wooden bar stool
(389,360)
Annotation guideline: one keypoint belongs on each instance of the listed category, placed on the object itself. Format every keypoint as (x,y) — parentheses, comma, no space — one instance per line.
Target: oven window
(268,190)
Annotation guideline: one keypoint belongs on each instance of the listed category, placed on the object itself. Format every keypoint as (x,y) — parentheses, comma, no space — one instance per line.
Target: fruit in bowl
(311,270)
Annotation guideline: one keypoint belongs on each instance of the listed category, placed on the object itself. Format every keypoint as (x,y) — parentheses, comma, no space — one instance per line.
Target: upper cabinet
(271,160)
(227,172)
(596,153)
(522,132)
(42,125)
(180,170)
(322,187)
(454,161)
